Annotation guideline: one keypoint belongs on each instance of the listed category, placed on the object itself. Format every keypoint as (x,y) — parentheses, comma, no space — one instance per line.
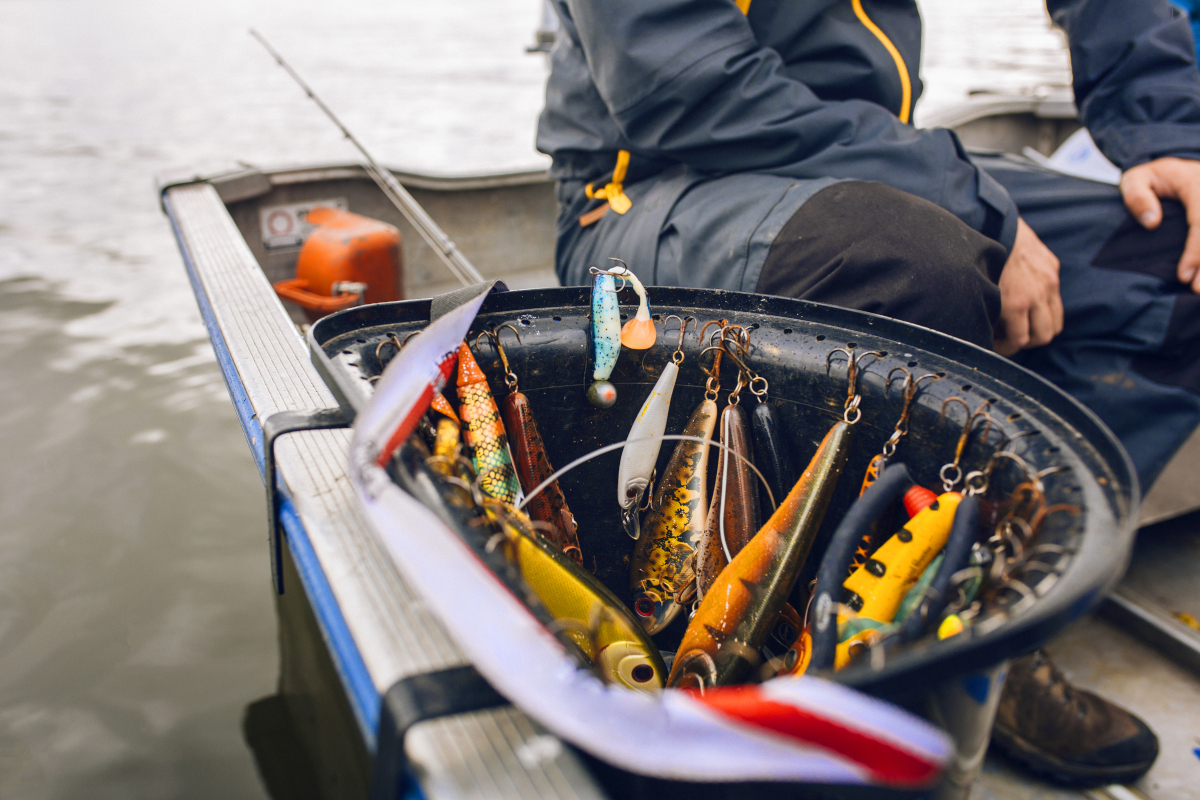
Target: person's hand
(1031,310)
(1173,179)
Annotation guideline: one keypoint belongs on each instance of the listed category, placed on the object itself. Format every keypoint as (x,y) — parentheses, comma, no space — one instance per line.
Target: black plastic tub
(791,340)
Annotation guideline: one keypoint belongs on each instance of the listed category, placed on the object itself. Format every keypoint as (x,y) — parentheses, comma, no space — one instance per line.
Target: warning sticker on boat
(286,225)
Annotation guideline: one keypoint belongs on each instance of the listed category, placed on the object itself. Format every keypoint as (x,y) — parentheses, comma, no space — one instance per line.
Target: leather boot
(1068,734)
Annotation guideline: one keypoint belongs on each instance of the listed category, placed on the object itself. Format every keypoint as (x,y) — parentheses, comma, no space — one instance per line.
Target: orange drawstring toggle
(613,191)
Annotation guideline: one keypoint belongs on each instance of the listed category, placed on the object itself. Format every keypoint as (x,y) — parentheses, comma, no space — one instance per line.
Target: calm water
(135,609)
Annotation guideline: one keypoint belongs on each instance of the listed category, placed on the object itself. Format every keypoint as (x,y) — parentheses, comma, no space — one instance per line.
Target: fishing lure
(606,338)
(638,333)
(439,403)
(549,506)
(485,431)
(638,458)
(876,589)
(590,615)
(662,570)
(721,644)
(733,516)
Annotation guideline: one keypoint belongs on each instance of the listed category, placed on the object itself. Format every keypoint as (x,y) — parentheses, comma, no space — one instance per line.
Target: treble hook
(910,394)
(712,386)
(510,377)
(852,369)
(951,473)
(677,356)
(741,342)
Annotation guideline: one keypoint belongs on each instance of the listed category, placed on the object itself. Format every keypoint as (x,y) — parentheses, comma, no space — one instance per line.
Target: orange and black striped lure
(484,431)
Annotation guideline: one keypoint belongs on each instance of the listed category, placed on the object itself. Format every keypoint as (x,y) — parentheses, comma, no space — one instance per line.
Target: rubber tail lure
(640,454)
(485,432)
(606,338)
(549,506)
(733,515)
(638,333)
(722,642)
(662,570)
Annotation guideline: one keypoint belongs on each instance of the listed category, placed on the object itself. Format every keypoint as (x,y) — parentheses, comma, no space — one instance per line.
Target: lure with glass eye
(733,513)
(663,560)
(721,644)
(638,333)
(640,454)
(606,339)
(485,431)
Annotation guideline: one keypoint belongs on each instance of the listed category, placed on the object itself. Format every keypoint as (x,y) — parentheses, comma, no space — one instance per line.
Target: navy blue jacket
(816,88)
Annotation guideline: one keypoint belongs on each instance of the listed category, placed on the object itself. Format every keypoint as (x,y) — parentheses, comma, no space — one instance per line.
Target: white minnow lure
(641,449)
(639,333)
(606,338)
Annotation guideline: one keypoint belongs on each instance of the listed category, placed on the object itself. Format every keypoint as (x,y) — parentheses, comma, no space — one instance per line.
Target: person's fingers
(1056,312)
(1189,263)
(1016,330)
(1138,192)
(1041,325)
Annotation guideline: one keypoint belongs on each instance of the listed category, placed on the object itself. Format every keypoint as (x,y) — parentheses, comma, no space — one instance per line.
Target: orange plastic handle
(296,290)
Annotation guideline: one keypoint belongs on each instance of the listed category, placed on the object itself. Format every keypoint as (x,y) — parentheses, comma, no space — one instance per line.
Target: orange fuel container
(347,260)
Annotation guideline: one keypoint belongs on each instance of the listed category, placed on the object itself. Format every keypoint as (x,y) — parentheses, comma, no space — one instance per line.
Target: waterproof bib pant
(1130,346)
(1130,349)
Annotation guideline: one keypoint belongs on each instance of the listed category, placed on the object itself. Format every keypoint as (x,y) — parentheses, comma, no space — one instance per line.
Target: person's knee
(875,248)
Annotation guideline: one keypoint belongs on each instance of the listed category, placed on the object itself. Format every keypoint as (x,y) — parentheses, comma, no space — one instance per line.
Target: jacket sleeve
(1135,77)
(686,80)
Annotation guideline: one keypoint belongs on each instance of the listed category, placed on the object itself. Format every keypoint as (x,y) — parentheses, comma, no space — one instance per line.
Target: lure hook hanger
(852,413)
(677,356)
(510,377)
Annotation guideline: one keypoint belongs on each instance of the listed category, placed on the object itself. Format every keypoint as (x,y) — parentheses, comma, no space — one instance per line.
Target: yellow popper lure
(485,431)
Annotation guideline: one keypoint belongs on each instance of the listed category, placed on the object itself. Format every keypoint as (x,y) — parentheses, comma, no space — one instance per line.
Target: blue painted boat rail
(347,660)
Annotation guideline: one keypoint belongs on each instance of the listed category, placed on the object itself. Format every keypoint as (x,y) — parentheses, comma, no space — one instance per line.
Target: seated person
(758,145)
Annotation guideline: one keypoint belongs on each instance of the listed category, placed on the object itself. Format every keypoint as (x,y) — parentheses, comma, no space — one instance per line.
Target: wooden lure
(722,642)
(733,513)
(484,431)
(662,570)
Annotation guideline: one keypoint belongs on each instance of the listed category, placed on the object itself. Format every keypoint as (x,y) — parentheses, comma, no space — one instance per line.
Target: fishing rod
(453,258)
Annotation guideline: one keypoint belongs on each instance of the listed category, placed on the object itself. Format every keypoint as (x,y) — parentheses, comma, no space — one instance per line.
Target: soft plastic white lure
(639,333)
(606,338)
(641,450)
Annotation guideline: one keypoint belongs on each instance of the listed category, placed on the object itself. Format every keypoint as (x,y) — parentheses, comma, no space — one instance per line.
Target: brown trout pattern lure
(734,498)
(662,571)
(722,643)
(484,431)
(533,466)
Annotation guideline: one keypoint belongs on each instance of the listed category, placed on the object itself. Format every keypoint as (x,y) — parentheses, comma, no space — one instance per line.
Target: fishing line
(677,437)
(433,235)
